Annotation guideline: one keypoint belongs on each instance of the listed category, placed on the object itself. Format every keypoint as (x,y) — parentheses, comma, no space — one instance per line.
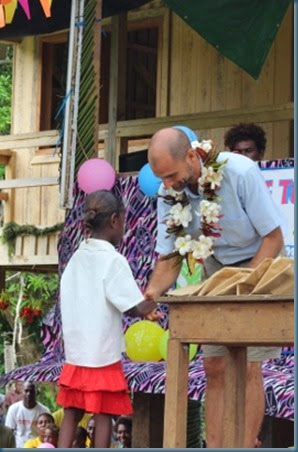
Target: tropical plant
(23,304)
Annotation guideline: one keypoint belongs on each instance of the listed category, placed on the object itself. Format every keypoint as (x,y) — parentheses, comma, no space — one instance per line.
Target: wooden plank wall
(202,80)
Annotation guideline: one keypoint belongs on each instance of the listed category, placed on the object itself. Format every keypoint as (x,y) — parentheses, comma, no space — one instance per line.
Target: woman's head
(123,427)
(43,421)
(104,216)
(51,435)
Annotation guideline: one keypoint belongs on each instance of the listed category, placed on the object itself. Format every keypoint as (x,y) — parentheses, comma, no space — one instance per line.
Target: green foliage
(5,94)
(47,393)
(39,295)
(12,230)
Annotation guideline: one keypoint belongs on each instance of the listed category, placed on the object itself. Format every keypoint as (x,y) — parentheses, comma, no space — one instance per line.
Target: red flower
(4,304)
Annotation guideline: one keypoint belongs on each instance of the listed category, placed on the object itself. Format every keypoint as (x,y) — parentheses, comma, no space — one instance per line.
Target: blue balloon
(148,182)
(191,135)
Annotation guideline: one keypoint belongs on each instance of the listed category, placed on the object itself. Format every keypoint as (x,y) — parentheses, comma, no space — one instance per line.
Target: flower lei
(180,214)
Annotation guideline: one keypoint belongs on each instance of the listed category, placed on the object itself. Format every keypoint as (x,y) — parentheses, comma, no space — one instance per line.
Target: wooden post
(117,87)
(176,395)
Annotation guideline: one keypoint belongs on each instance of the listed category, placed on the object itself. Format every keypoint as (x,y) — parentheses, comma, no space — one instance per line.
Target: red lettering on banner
(287,191)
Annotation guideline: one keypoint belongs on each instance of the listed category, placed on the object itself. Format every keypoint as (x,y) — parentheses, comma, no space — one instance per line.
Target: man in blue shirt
(250,233)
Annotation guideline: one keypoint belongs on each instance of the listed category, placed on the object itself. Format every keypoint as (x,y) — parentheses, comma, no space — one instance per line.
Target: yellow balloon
(142,340)
(163,347)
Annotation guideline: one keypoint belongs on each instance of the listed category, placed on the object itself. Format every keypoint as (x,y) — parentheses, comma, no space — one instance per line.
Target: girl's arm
(147,308)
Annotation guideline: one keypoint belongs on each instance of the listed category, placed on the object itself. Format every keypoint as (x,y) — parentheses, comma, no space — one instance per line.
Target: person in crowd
(123,430)
(15,395)
(22,416)
(43,421)
(247,139)
(7,439)
(80,439)
(58,416)
(250,232)
(90,432)
(97,286)
(51,435)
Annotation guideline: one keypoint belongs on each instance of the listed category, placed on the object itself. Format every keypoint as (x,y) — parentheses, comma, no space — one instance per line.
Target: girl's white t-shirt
(96,287)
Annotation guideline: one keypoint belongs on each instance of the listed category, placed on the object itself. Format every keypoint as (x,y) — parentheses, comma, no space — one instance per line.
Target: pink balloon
(46,446)
(96,174)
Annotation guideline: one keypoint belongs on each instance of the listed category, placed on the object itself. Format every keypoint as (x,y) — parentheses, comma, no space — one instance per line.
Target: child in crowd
(44,420)
(80,438)
(51,435)
(97,286)
(123,428)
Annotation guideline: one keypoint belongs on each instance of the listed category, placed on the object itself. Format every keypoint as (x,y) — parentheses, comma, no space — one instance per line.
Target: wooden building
(168,74)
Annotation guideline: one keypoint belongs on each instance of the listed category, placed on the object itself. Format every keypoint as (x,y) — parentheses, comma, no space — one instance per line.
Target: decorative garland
(11,231)
(180,214)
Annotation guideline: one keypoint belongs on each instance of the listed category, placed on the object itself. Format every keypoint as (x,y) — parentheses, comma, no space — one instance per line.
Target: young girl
(97,286)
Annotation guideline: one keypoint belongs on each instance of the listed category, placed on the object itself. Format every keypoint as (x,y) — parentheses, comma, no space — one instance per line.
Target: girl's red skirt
(94,390)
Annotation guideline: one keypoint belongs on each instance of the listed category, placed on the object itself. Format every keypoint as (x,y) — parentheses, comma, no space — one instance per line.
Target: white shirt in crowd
(97,286)
(22,421)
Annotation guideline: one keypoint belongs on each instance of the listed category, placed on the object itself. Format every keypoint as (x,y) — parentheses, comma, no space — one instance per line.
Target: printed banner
(280,182)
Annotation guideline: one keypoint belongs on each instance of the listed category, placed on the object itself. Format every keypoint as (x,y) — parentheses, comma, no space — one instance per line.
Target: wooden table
(235,321)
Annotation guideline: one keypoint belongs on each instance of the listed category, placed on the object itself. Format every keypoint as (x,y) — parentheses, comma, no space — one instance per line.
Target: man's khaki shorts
(254,354)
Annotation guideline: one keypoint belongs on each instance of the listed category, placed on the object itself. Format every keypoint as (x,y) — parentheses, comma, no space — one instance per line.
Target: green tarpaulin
(241,30)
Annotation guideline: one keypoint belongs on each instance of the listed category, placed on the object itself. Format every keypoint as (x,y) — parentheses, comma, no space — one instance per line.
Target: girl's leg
(72,417)
(103,430)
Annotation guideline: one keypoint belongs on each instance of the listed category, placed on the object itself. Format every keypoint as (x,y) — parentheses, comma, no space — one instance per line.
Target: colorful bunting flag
(25,5)
(2,20)
(10,9)
(46,6)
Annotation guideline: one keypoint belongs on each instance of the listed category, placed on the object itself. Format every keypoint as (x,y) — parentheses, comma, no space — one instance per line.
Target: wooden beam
(22,183)
(139,128)
(210,120)
(27,140)
(118,51)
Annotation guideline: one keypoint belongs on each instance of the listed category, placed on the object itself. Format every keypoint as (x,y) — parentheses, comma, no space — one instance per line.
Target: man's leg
(214,401)
(214,406)
(255,403)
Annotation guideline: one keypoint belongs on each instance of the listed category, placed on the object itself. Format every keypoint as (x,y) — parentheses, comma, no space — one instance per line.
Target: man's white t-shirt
(97,286)
(22,421)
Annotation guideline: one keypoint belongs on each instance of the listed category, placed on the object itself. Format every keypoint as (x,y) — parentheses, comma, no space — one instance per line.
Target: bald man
(250,233)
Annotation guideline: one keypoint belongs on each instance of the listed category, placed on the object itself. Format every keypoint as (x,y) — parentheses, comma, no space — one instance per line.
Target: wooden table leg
(234,405)
(176,395)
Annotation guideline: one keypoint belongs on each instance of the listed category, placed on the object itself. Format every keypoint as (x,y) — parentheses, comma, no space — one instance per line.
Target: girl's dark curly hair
(98,208)
(244,132)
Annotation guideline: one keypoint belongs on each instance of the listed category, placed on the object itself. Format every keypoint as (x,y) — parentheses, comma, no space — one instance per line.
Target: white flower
(177,195)
(183,244)
(206,145)
(209,210)
(211,176)
(202,248)
(180,215)
(195,144)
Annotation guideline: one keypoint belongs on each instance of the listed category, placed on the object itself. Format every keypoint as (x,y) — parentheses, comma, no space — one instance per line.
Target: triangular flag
(2,20)
(5,2)
(10,9)
(46,6)
(25,5)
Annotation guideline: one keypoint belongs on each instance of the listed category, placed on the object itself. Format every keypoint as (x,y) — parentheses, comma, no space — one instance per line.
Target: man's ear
(191,155)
